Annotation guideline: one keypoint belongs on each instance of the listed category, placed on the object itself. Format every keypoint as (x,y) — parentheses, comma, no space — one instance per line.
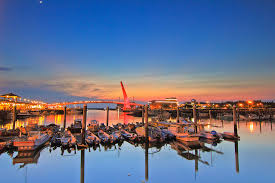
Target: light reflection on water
(249,160)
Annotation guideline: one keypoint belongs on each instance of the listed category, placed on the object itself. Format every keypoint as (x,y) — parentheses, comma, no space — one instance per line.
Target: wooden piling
(235,121)
(142,114)
(107,116)
(65,116)
(178,115)
(84,123)
(195,118)
(146,142)
(14,117)
(238,114)
(210,114)
(238,117)
(271,115)
(146,122)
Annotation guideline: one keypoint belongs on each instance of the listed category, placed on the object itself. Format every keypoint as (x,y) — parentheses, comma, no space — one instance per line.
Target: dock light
(250,102)
(240,105)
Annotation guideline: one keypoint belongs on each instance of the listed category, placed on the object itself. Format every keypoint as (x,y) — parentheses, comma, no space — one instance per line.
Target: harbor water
(249,160)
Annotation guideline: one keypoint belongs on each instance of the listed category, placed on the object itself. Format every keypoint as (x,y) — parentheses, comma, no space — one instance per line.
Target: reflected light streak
(251,127)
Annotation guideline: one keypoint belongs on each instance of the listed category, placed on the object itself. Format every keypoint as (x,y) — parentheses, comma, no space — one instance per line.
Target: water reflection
(146,160)
(237,156)
(82,166)
(196,159)
(251,127)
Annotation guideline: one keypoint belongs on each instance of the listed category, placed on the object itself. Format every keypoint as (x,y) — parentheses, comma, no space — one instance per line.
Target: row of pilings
(250,114)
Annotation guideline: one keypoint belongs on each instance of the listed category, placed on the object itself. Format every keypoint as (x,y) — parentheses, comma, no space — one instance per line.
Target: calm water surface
(249,160)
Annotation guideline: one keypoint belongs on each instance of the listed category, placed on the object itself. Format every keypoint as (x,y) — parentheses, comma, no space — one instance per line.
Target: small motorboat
(68,140)
(185,137)
(2,131)
(209,136)
(34,140)
(76,126)
(56,139)
(118,134)
(229,136)
(167,134)
(93,126)
(2,146)
(104,137)
(114,137)
(128,135)
(92,139)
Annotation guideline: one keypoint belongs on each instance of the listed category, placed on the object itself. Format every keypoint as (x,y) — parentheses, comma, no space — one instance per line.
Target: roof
(10,95)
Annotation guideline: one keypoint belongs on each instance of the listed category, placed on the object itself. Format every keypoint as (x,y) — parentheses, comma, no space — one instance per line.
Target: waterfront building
(166,104)
(10,96)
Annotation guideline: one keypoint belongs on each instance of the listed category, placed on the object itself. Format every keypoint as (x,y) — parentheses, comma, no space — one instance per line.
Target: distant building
(10,96)
(167,104)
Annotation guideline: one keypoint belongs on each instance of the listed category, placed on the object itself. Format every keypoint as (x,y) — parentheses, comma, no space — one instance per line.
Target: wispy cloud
(5,69)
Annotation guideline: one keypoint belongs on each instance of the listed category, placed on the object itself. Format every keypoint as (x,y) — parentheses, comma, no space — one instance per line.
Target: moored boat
(93,126)
(2,146)
(56,139)
(185,137)
(2,131)
(34,140)
(230,136)
(92,139)
(68,140)
(128,135)
(104,137)
(76,126)
(207,135)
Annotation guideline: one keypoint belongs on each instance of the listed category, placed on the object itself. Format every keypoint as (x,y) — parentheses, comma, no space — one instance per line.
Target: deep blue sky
(204,49)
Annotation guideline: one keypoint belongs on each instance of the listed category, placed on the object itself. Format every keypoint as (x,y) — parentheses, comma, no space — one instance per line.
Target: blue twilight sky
(203,49)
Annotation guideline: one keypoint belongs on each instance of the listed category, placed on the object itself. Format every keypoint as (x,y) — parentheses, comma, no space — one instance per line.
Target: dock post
(65,115)
(235,121)
(178,115)
(84,123)
(238,114)
(142,114)
(237,156)
(146,142)
(118,113)
(107,117)
(146,122)
(195,118)
(210,114)
(82,166)
(271,114)
(14,117)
